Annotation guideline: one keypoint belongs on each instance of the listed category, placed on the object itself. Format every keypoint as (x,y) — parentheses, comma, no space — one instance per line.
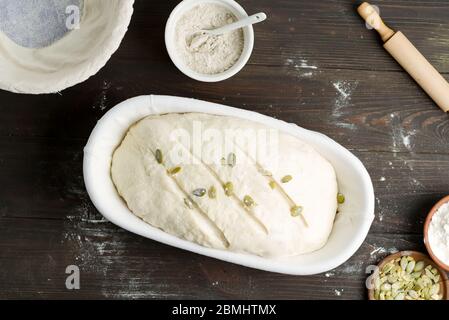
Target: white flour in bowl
(208,54)
(439,233)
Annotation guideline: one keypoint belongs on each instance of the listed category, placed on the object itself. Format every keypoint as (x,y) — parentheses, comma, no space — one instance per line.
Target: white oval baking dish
(351,225)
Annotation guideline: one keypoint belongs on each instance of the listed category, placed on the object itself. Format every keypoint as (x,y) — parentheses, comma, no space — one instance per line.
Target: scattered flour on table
(345,89)
(352,267)
(344,94)
(102,99)
(207,54)
(305,65)
(378,251)
(400,135)
(380,212)
(338,292)
(303,68)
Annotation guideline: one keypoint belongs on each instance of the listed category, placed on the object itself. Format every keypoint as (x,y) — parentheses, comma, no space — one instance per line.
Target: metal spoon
(199,38)
(255,18)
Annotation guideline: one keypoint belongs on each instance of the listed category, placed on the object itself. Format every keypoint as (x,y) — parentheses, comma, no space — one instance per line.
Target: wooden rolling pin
(409,58)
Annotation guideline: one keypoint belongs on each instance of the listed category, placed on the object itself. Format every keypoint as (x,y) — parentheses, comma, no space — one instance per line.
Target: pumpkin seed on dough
(248,201)
(189,203)
(212,193)
(174,170)
(228,188)
(340,198)
(159,156)
(200,192)
(296,211)
(232,160)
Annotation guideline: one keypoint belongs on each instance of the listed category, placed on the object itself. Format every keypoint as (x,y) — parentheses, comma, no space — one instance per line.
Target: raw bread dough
(267,229)
(73,58)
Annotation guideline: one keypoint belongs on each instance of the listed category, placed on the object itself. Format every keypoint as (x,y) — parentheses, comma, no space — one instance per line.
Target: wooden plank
(44,179)
(310,31)
(385,111)
(117,264)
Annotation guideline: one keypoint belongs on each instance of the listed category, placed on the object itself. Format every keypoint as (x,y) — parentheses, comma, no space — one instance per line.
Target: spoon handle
(255,18)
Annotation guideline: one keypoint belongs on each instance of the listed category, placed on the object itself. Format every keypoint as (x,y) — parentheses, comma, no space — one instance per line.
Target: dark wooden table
(314,64)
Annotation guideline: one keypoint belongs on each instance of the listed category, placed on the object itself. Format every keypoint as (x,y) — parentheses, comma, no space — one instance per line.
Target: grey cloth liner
(35,23)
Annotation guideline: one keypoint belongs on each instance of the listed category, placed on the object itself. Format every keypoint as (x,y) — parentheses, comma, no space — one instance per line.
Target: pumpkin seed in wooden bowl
(408,275)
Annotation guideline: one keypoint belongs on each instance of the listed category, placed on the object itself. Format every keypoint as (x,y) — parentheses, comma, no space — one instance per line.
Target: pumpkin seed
(228,188)
(396,286)
(159,156)
(428,273)
(286,179)
(392,278)
(265,173)
(387,268)
(212,192)
(189,203)
(434,289)
(410,267)
(232,160)
(419,266)
(400,296)
(296,211)
(248,201)
(340,198)
(385,287)
(404,263)
(200,192)
(174,170)
(436,297)
(436,278)
(413,294)
(272,184)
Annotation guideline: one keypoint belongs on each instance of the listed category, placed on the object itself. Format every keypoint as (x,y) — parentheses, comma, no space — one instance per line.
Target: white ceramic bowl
(351,225)
(70,60)
(186,5)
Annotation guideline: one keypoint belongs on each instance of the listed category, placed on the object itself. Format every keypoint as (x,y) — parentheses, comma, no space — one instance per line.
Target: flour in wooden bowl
(208,54)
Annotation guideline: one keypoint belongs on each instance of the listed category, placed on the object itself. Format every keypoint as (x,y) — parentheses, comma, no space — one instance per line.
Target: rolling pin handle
(372,17)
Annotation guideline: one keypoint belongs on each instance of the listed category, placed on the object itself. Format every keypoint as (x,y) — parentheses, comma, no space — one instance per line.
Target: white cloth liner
(351,226)
(70,60)
(36,23)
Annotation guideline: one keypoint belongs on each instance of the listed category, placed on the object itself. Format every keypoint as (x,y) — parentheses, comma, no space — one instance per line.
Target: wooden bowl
(426,233)
(444,283)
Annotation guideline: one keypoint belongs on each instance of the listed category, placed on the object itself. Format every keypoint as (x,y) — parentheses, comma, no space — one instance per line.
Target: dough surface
(203,146)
